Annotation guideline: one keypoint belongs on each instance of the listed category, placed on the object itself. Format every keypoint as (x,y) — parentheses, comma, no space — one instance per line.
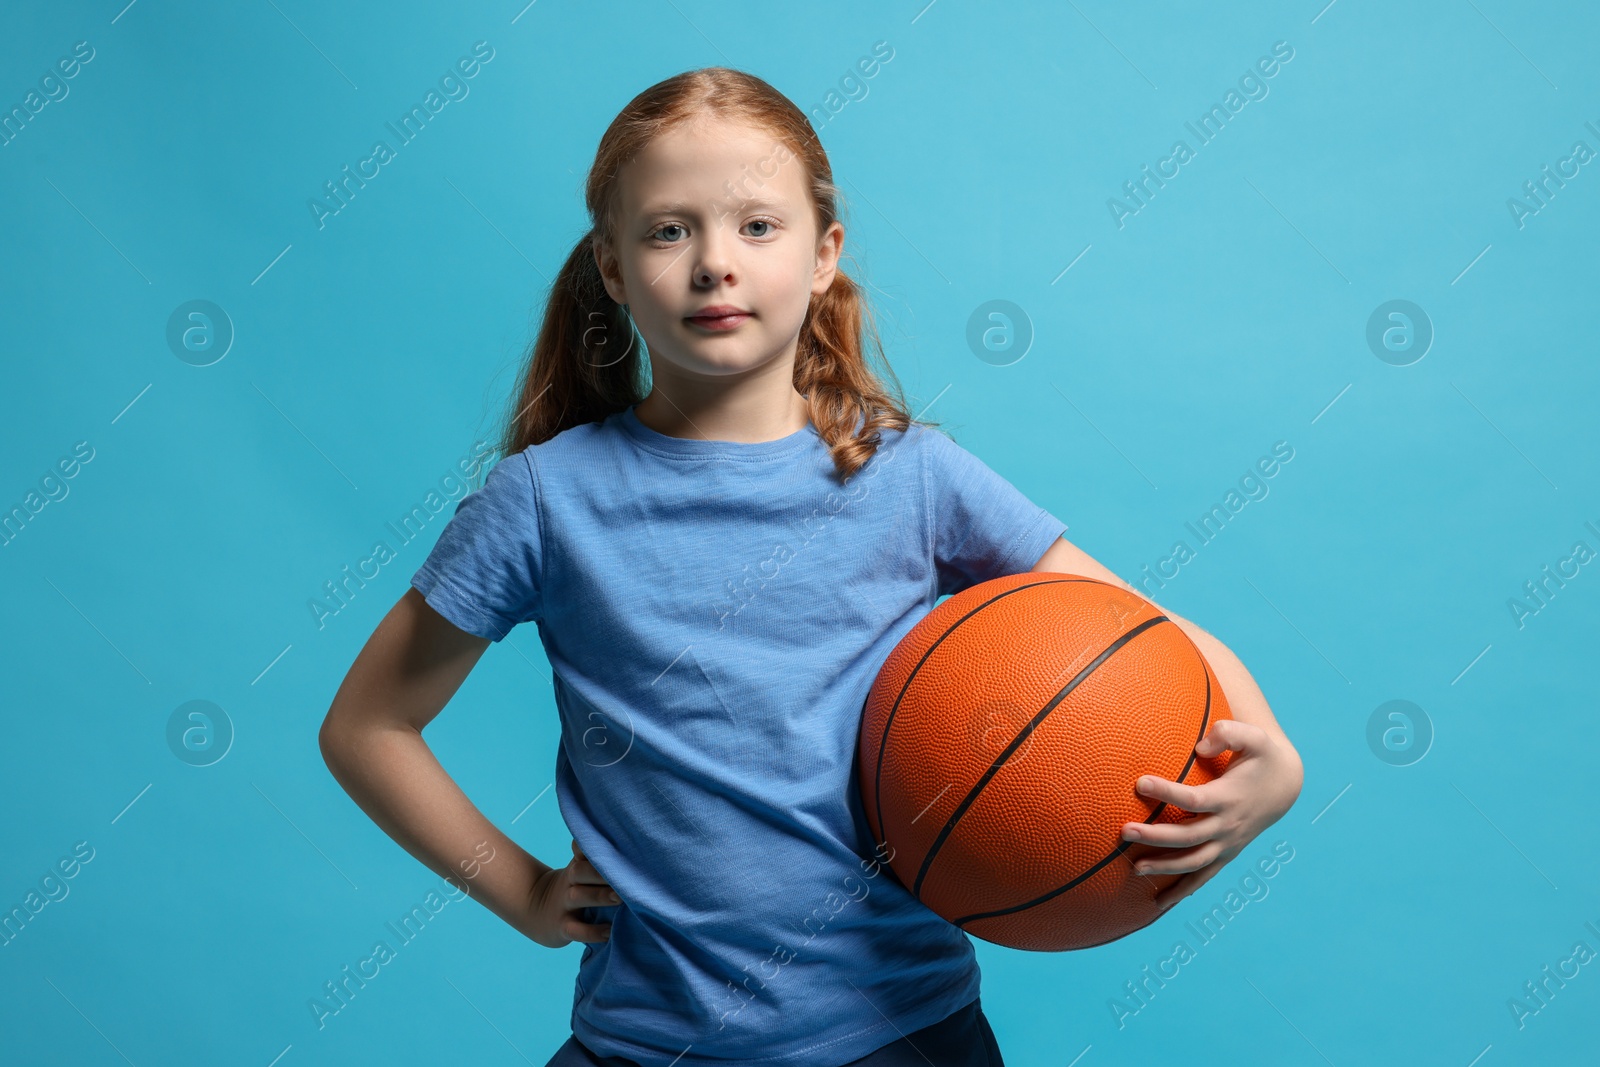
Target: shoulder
(940,452)
(576,445)
(931,438)
(509,490)
(892,450)
(918,436)
(515,468)
(953,470)
(577,438)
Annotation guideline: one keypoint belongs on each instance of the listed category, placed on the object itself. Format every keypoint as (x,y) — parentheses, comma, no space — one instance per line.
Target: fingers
(1187,797)
(583,895)
(1180,862)
(1183,887)
(1231,735)
(1177,891)
(1173,835)
(588,933)
(581,870)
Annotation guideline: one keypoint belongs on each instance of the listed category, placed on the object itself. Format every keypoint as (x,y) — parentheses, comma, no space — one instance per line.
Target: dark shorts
(962,1039)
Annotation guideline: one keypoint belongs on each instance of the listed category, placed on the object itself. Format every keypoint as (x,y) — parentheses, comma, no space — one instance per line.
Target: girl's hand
(1260,783)
(556,901)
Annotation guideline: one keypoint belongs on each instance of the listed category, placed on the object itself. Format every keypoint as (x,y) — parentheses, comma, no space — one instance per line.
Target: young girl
(719,558)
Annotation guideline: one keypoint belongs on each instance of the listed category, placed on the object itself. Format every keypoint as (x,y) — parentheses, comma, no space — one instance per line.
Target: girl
(719,558)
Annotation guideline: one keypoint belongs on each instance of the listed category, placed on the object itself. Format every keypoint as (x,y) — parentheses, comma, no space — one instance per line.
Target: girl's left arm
(1260,784)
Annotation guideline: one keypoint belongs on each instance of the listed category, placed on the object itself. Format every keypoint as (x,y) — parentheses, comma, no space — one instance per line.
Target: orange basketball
(1000,746)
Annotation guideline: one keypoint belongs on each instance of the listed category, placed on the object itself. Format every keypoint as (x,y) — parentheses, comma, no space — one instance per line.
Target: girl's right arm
(372,742)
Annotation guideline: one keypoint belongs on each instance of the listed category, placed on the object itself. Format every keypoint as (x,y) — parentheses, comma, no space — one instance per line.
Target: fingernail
(612,896)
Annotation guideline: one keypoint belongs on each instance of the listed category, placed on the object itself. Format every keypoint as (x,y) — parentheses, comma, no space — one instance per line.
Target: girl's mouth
(719,322)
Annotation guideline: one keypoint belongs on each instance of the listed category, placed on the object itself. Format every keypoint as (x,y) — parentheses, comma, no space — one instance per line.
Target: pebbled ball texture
(1000,745)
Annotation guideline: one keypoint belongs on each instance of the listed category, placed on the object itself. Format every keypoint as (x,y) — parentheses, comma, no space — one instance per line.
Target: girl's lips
(719,322)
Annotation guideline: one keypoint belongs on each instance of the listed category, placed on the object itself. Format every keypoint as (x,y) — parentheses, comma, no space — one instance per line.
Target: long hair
(586,362)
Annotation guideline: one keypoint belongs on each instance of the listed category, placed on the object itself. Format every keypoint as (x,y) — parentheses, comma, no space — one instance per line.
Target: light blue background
(1227,315)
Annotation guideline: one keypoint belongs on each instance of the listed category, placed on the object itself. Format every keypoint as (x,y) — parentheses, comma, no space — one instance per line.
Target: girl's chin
(699,366)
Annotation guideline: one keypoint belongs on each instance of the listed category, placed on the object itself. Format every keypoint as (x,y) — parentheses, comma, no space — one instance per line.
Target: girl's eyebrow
(681,207)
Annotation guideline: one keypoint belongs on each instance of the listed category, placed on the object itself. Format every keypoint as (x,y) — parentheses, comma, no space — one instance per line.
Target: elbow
(1291,753)
(1294,772)
(1297,772)
(329,742)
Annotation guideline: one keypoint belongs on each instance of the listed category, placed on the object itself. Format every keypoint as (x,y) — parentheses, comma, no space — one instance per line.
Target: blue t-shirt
(714,614)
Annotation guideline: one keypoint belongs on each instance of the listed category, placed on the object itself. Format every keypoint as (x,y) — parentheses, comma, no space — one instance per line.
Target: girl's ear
(609,273)
(828,250)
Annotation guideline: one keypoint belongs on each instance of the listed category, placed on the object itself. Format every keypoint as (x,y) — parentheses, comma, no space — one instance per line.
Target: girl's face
(716,214)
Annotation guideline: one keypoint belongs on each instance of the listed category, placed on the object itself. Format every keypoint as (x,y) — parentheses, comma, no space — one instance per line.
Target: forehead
(712,160)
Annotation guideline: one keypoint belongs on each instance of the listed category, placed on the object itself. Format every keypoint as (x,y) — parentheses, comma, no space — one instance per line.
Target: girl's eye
(663,228)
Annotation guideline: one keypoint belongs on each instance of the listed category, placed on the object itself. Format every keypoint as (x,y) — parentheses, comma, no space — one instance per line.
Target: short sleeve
(983,527)
(485,570)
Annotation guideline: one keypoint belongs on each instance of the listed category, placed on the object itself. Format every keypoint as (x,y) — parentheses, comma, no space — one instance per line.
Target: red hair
(586,363)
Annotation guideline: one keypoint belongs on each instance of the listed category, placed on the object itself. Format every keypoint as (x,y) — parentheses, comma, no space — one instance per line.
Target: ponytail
(585,364)
(848,402)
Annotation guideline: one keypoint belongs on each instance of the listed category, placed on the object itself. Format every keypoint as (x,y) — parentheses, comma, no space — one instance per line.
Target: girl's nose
(714,263)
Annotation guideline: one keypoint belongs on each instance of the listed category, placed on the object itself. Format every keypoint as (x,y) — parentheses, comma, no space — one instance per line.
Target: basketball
(1000,746)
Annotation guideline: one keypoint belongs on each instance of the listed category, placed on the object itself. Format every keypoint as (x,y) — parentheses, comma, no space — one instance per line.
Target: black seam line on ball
(1016,742)
(883,742)
(1121,848)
